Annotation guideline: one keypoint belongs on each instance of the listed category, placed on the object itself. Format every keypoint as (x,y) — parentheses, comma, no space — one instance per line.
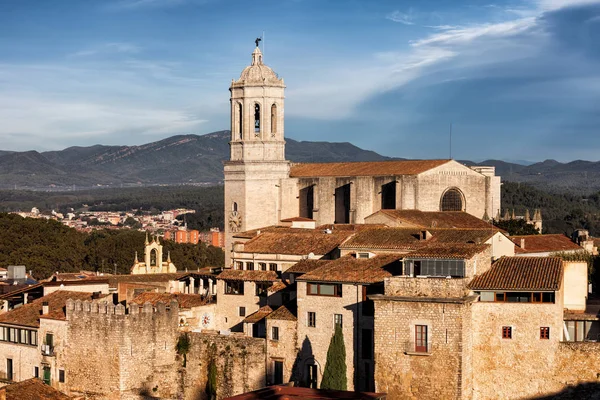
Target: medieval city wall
(113,354)
(239,360)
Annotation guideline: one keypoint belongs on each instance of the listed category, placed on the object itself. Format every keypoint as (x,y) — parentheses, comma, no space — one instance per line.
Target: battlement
(78,307)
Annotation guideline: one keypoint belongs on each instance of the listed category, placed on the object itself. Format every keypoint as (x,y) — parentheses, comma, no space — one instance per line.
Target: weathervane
(257,40)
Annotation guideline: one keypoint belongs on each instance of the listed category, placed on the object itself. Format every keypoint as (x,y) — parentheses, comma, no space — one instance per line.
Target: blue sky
(517,79)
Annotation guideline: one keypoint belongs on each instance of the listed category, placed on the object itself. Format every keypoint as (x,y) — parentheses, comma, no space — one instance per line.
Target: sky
(512,80)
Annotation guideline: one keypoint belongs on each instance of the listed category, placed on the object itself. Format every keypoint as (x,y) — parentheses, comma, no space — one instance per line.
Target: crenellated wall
(112,352)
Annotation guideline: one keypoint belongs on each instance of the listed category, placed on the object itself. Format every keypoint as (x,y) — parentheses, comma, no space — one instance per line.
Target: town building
(153,262)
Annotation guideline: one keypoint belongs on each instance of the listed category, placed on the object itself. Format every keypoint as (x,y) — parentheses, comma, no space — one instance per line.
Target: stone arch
(153,257)
(452,200)
(240,124)
(234,207)
(274,118)
(256,118)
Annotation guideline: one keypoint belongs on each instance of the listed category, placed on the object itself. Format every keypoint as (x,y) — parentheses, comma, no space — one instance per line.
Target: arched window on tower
(452,200)
(153,258)
(240,120)
(256,118)
(234,207)
(274,119)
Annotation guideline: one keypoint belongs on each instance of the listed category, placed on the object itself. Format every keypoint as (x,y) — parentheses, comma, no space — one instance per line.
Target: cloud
(403,18)
(108,48)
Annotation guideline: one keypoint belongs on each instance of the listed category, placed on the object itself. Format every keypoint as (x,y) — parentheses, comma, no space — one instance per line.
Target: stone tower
(257,166)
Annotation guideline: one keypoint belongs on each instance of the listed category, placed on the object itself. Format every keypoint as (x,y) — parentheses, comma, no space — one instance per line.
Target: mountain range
(198,159)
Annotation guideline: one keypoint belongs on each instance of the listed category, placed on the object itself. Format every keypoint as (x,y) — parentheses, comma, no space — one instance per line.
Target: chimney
(523,243)
(45,308)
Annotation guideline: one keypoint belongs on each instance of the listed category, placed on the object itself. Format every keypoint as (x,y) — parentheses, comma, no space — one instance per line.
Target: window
(273,267)
(545,332)
(242,311)
(367,344)
(518,297)
(337,320)
(250,266)
(275,333)
(24,336)
(320,289)
(363,255)
(33,338)
(234,207)
(436,267)
(61,375)
(507,332)
(262,288)
(36,372)
(273,118)
(579,331)
(452,201)
(239,265)
(240,121)
(312,319)
(262,266)
(421,344)
(256,118)
(234,287)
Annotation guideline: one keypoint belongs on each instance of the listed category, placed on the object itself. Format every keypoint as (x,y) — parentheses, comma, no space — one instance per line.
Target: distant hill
(179,159)
(198,159)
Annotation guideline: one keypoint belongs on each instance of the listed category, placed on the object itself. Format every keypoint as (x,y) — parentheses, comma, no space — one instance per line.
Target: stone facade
(153,260)
(228,312)
(283,349)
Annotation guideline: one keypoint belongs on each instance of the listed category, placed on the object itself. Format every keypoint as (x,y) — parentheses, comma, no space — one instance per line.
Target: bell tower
(257,165)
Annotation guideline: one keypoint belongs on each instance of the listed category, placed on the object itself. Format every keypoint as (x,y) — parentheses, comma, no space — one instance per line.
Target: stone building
(262,188)
(153,262)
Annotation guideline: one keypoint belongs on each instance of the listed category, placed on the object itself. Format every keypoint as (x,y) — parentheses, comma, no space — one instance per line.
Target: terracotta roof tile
(297,242)
(385,239)
(353,270)
(258,315)
(438,219)
(475,235)
(29,314)
(250,276)
(279,286)
(286,312)
(521,273)
(367,168)
(544,243)
(32,389)
(450,250)
(297,219)
(307,265)
(184,300)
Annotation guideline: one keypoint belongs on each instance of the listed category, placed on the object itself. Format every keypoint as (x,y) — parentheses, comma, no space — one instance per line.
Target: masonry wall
(575,284)
(313,342)
(284,349)
(240,363)
(228,315)
(56,362)
(24,358)
(110,354)
(402,372)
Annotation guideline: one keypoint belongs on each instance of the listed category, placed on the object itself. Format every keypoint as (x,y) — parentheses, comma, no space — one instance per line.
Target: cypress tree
(334,375)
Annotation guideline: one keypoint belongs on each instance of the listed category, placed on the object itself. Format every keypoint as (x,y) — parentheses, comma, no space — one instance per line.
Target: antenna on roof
(451,140)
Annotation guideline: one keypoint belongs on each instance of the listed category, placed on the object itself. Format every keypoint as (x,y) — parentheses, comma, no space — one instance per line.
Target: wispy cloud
(107,48)
(407,18)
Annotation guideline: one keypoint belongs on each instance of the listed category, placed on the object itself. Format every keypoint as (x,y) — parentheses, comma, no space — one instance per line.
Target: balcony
(47,350)
(6,377)
(417,349)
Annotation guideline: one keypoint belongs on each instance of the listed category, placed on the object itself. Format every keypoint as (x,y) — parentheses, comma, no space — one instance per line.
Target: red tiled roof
(297,219)
(521,273)
(306,265)
(258,315)
(366,168)
(290,392)
(297,242)
(451,250)
(385,239)
(353,270)
(29,314)
(250,276)
(184,300)
(437,219)
(31,389)
(284,313)
(544,243)
(474,235)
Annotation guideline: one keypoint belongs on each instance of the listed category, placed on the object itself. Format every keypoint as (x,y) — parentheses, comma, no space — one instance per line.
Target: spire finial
(169,257)
(136,258)
(147,239)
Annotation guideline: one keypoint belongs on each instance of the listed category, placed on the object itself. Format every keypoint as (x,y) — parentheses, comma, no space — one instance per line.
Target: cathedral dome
(258,73)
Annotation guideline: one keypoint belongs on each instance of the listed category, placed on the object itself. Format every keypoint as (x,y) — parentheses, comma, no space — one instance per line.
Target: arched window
(256,118)
(153,258)
(240,119)
(452,200)
(274,118)
(234,207)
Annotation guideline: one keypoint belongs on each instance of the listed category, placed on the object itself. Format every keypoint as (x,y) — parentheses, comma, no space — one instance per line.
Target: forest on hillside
(46,246)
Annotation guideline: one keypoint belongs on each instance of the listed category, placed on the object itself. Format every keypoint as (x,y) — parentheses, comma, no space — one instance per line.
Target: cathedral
(262,187)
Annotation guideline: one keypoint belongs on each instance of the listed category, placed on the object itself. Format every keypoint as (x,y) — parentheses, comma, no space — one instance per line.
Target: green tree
(334,375)
(517,227)
(183,347)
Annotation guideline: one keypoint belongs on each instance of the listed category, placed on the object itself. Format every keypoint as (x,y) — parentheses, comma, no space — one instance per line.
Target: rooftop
(286,312)
(450,250)
(306,265)
(366,168)
(385,238)
(29,314)
(31,389)
(258,315)
(353,270)
(437,219)
(249,276)
(297,242)
(521,273)
(544,243)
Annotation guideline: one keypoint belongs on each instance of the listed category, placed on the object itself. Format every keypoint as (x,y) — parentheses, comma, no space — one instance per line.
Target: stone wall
(425,287)
(228,306)
(438,373)
(240,363)
(113,354)
(284,349)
